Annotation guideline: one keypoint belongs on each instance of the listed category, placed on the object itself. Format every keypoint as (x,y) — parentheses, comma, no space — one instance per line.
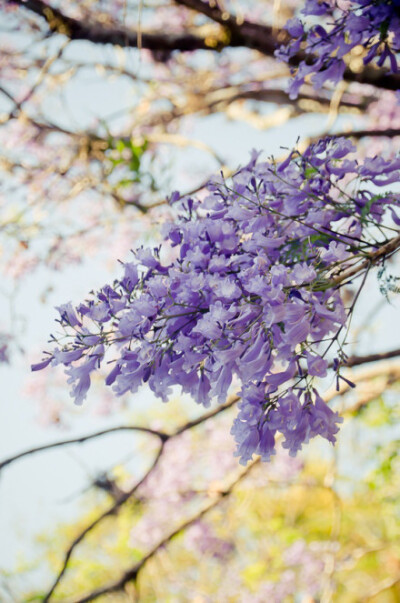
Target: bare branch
(111,511)
(373,389)
(384,251)
(163,436)
(209,415)
(357,134)
(275,95)
(360,360)
(240,33)
(129,493)
(32,90)
(79,440)
(374,77)
(132,573)
(388,372)
(48,126)
(74,29)
(357,360)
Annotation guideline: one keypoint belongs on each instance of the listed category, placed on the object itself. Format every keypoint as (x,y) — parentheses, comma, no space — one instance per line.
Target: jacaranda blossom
(253,297)
(329,30)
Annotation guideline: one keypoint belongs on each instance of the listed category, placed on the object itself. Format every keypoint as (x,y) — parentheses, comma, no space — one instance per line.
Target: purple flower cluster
(202,538)
(5,339)
(303,573)
(249,296)
(372,24)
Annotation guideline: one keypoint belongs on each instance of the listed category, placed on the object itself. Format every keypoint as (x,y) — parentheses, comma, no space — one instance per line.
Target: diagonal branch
(129,493)
(132,573)
(74,29)
(381,587)
(238,33)
(111,511)
(387,372)
(48,126)
(385,251)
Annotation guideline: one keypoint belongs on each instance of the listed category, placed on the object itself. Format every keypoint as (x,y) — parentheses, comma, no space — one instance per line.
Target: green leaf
(120,146)
(310,171)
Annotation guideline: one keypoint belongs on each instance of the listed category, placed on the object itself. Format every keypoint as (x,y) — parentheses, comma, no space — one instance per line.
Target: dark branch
(390,133)
(280,97)
(205,417)
(374,77)
(392,377)
(361,360)
(74,29)
(111,511)
(163,437)
(132,573)
(357,360)
(129,493)
(241,32)
(238,33)
(385,251)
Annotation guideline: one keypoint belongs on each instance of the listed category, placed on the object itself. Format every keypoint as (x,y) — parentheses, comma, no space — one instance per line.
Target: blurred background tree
(106,108)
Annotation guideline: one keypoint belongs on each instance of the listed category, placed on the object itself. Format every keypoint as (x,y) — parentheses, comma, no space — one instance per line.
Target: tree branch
(390,133)
(163,436)
(280,97)
(127,495)
(360,360)
(390,372)
(384,251)
(111,511)
(357,360)
(74,29)
(79,440)
(374,389)
(239,33)
(131,574)
(382,586)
